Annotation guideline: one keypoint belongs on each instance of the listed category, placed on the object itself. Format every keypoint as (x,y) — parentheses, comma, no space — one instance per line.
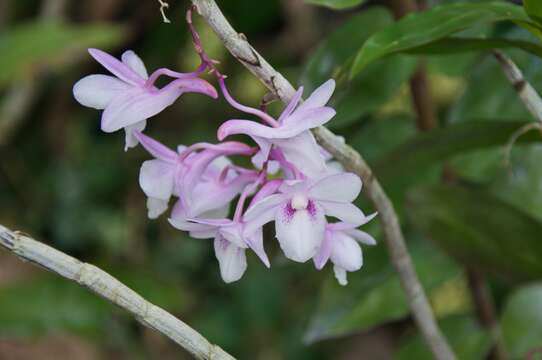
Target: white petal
(130,140)
(344,187)
(97,91)
(262,212)
(361,236)
(340,275)
(135,63)
(233,234)
(300,232)
(157,179)
(346,212)
(231,259)
(345,252)
(156,207)
(135,105)
(303,151)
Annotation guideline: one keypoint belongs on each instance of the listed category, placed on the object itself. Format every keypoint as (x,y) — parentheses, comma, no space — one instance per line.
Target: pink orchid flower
(231,243)
(291,134)
(299,210)
(341,246)
(206,176)
(129,97)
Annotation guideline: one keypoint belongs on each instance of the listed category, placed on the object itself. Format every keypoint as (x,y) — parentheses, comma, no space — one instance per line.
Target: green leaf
(478,228)
(34,45)
(374,295)
(371,89)
(521,321)
(466,337)
(422,28)
(533,9)
(432,147)
(453,45)
(336,4)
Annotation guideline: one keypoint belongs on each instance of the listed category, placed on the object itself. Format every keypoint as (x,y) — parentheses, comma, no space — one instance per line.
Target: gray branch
(113,290)
(239,47)
(525,91)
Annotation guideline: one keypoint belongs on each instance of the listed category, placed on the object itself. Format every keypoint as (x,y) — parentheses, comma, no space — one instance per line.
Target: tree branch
(113,290)
(239,47)
(525,91)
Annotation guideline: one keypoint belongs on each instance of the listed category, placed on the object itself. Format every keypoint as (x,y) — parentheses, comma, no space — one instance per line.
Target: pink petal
(211,195)
(231,259)
(268,189)
(97,91)
(314,118)
(319,97)
(300,232)
(157,179)
(324,252)
(134,62)
(135,105)
(255,242)
(156,149)
(291,105)
(117,68)
(262,212)
(346,212)
(344,187)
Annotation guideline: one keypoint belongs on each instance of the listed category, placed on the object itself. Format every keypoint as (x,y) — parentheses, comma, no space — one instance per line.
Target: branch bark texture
(113,290)
(239,47)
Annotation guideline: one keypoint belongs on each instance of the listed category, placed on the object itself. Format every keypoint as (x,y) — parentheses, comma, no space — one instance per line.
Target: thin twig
(526,92)
(485,309)
(163,6)
(528,95)
(113,290)
(239,47)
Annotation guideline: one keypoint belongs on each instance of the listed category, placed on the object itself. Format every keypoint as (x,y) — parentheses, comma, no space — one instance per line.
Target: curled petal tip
(222,132)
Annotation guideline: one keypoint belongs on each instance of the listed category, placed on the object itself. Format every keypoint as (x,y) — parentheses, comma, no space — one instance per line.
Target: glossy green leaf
(336,4)
(437,23)
(521,321)
(371,89)
(34,45)
(429,148)
(533,9)
(453,45)
(468,340)
(374,295)
(478,228)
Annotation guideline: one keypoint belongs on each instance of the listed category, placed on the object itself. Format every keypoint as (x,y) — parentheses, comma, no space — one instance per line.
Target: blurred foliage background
(471,221)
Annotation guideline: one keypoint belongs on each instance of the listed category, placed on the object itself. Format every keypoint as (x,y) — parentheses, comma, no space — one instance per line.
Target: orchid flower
(291,134)
(163,177)
(129,97)
(230,243)
(299,210)
(341,246)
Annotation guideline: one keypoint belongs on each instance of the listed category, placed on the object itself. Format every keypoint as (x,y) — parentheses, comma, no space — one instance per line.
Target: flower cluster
(293,183)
